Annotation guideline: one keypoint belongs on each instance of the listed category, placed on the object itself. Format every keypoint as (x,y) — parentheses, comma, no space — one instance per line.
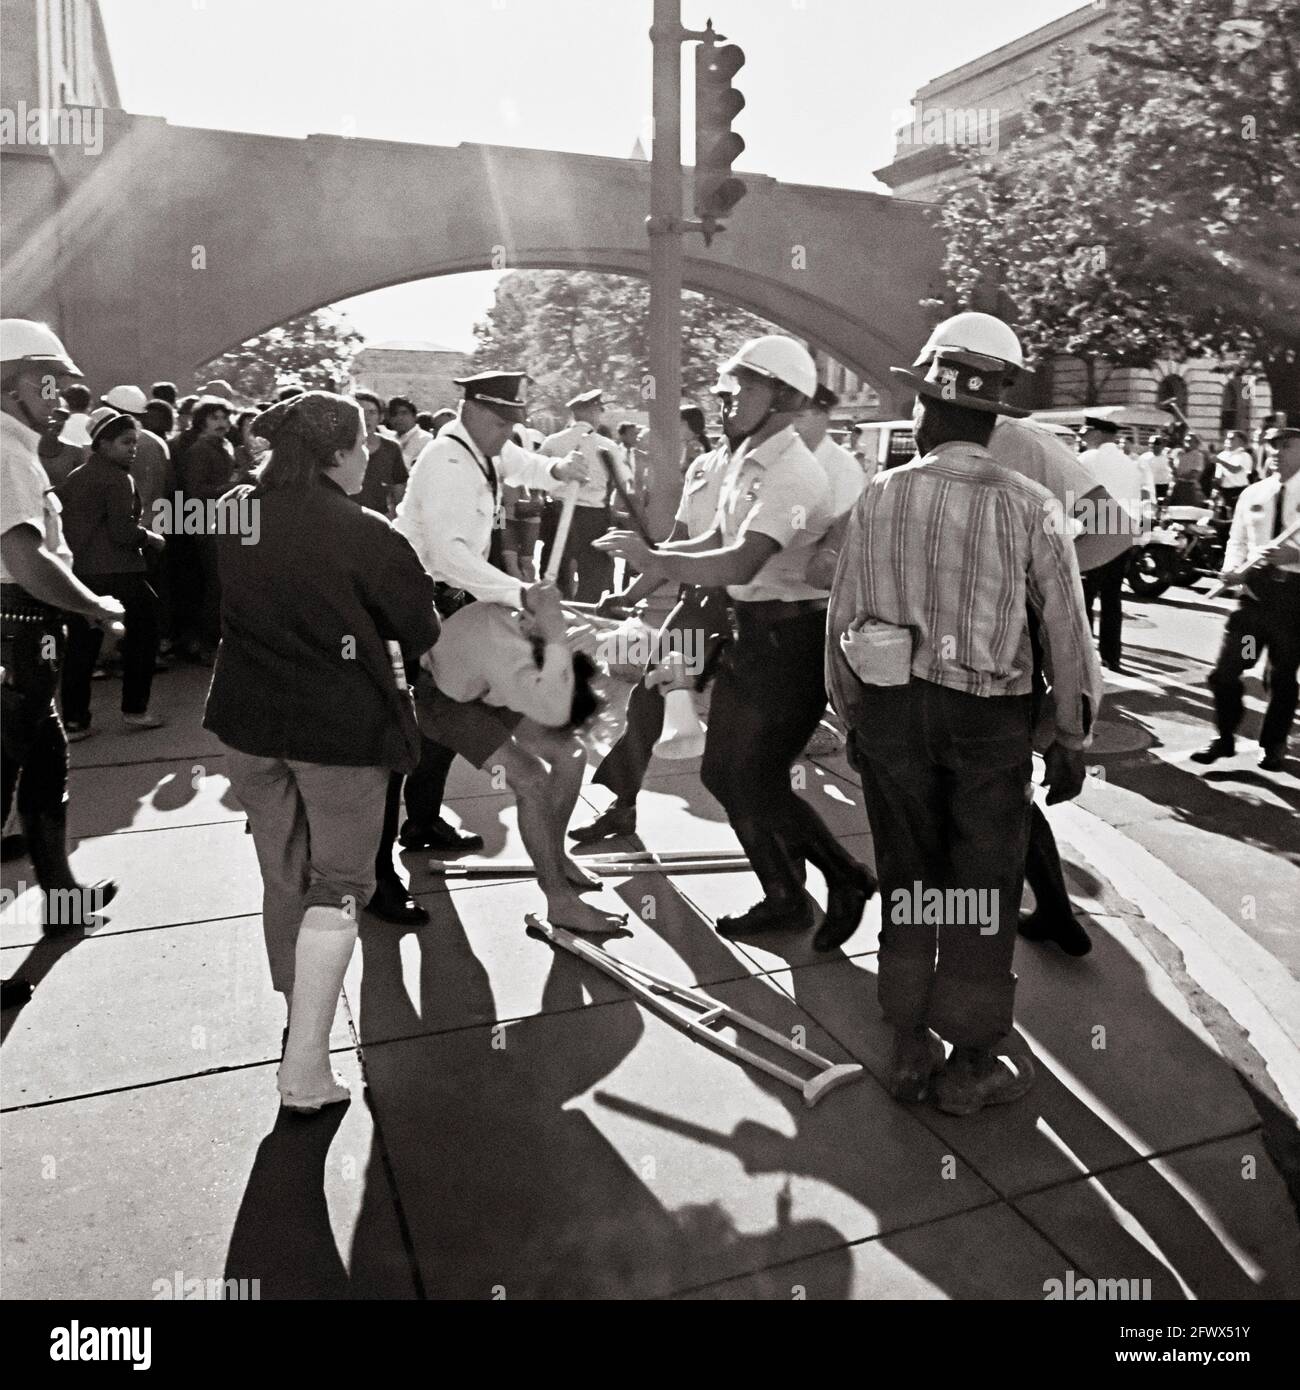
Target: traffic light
(717,146)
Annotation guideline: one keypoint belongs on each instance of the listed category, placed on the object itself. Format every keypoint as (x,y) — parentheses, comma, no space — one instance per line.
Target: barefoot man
(452,505)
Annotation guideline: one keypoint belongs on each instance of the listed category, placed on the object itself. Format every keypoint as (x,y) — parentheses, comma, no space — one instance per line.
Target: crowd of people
(363,579)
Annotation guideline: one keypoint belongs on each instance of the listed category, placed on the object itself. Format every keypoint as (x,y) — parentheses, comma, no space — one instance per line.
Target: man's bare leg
(562,751)
(542,836)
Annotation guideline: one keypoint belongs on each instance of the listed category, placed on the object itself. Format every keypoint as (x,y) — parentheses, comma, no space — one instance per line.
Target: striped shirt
(958,548)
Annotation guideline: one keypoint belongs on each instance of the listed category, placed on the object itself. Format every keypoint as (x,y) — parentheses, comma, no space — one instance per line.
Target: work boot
(14,992)
(1223,747)
(440,836)
(1274,759)
(68,904)
(392,902)
(306,1080)
(845,903)
(848,884)
(975,1077)
(617,821)
(1067,932)
(785,906)
(918,1054)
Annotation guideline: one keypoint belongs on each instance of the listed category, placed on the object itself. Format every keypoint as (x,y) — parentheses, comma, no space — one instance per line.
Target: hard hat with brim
(585,398)
(1279,436)
(952,379)
(129,399)
(779,358)
(979,335)
(25,340)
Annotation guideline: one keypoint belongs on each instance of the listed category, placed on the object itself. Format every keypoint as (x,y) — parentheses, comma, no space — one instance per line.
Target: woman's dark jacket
(303,671)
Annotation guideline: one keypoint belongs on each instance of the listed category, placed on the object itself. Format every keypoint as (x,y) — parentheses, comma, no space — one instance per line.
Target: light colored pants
(316,829)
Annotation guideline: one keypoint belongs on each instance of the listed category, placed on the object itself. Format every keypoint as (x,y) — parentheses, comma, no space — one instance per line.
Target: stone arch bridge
(173,244)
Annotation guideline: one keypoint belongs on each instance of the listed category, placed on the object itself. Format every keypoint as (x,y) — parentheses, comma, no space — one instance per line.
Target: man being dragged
(507,689)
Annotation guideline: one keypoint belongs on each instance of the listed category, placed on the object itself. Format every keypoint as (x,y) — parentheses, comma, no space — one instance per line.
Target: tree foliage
(572,331)
(1150,207)
(314,351)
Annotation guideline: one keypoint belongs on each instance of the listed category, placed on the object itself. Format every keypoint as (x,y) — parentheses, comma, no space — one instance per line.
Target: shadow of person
(508,1190)
(1150,1085)
(35,966)
(282,1234)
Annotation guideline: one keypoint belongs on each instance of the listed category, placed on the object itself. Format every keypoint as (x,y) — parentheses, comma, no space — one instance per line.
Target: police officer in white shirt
(37,590)
(1122,479)
(595,570)
(769,694)
(452,508)
(453,514)
(1268,617)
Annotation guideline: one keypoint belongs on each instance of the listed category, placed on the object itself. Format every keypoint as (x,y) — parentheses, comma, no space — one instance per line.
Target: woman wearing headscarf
(317,616)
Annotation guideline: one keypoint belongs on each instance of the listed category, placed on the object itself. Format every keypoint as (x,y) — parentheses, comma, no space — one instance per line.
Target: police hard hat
(781,358)
(952,378)
(24,340)
(585,398)
(981,335)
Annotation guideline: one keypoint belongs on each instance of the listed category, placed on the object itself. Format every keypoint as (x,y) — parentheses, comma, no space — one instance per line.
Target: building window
(1234,412)
(1172,391)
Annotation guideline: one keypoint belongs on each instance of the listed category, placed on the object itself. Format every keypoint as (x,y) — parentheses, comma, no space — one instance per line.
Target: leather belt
(775,610)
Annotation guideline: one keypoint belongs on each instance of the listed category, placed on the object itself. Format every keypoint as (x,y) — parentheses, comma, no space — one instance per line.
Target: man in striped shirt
(955,550)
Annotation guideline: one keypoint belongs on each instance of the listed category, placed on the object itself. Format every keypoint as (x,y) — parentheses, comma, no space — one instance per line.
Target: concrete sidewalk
(527,1131)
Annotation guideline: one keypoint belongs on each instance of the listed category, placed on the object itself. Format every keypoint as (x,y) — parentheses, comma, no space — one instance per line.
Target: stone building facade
(422,372)
(982,103)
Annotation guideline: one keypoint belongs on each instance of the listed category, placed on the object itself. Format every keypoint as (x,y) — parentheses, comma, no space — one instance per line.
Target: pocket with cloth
(878,653)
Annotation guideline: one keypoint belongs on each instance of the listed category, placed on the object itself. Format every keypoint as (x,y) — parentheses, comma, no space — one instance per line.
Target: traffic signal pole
(665,228)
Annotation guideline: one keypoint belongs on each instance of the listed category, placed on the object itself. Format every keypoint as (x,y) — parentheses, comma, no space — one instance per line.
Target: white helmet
(23,340)
(128,399)
(778,357)
(981,334)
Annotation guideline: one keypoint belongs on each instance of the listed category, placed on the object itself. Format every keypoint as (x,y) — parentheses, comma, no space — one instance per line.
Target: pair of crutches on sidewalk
(697,1013)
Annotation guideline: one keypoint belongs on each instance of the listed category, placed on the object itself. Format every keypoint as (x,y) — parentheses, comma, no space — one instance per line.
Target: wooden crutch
(613,868)
(698,1011)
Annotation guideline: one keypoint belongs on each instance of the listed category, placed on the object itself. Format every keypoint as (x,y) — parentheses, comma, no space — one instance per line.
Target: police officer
(591,515)
(1268,616)
(769,695)
(37,589)
(701,617)
(452,513)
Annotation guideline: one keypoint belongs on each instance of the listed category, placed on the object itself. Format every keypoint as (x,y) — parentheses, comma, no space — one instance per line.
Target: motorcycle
(1185,544)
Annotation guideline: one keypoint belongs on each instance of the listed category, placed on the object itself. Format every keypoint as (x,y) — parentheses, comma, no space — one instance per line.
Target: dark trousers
(196,591)
(595,567)
(1105,583)
(701,613)
(33,750)
(548,525)
(946,779)
(768,696)
(427,785)
(1270,623)
(139,647)
(384,867)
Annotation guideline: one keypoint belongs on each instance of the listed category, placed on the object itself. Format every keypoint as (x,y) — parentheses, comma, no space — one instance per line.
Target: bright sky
(825,81)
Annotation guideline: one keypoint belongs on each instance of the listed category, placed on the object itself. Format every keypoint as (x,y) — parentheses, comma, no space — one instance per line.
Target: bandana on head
(315,417)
